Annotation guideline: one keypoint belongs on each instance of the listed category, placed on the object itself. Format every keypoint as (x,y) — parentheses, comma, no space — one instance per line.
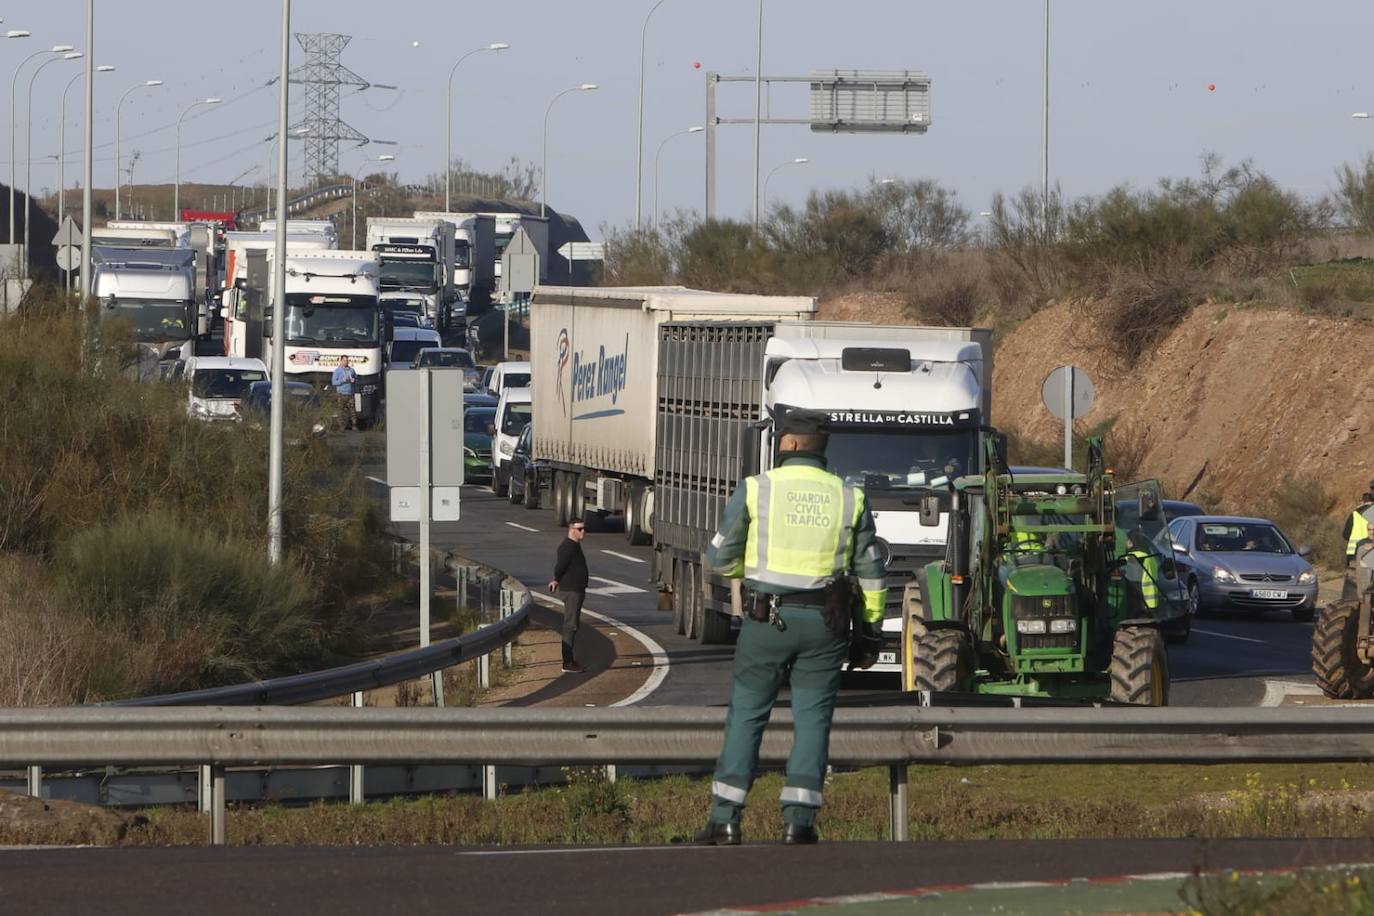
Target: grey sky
(1129,97)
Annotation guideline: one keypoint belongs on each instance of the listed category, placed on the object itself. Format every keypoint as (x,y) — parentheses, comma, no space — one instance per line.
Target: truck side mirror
(748,451)
(930,511)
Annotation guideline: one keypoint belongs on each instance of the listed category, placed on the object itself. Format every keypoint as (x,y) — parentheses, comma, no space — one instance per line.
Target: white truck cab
(158,303)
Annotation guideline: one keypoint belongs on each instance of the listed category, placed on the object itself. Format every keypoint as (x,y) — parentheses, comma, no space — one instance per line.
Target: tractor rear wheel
(1140,668)
(940,659)
(1338,669)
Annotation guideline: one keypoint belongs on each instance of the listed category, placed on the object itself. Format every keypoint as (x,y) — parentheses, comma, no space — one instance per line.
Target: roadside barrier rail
(219,737)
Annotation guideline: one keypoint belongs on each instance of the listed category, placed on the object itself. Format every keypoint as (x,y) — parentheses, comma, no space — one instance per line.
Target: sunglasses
(577,528)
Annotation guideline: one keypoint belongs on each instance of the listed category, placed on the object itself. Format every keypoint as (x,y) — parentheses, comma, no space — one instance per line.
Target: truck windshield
(897,458)
(343,321)
(153,319)
(408,275)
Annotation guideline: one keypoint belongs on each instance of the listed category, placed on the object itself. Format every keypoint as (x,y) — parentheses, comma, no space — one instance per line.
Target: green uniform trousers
(807,655)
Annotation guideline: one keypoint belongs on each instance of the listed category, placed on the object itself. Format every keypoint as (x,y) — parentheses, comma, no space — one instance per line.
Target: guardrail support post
(218,831)
(35,781)
(507,608)
(489,783)
(355,771)
(484,671)
(203,789)
(610,773)
(896,801)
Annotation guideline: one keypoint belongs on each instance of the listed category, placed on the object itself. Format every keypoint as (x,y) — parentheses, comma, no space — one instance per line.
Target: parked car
(1177,508)
(513,413)
(403,304)
(478,423)
(217,385)
(1233,561)
(406,344)
(405,320)
(479,398)
(527,474)
(450,357)
(257,404)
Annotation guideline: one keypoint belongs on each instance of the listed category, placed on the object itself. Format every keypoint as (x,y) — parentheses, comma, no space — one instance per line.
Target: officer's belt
(803,599)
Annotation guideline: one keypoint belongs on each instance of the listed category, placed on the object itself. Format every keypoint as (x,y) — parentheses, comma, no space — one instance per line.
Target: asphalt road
(1232,659)
(577,880)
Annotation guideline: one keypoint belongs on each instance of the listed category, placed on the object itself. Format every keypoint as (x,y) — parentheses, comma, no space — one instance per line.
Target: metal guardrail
(369,675)
(301,201)
(892,737)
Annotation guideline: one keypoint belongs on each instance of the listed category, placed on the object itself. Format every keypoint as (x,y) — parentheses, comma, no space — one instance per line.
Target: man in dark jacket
(570,583)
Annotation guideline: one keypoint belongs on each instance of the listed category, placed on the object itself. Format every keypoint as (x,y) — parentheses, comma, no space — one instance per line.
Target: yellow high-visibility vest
(1359,530)
(1145,573)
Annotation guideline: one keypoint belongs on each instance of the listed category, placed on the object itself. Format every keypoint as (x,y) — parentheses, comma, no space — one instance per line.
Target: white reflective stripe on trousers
(728,792)
(793,795)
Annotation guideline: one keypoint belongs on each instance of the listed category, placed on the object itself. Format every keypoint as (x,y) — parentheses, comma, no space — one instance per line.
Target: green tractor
(1055,584)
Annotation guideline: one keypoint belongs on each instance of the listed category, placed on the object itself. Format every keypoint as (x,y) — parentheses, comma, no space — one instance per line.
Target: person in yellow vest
(1142,571)
(794,534)
(1357,525)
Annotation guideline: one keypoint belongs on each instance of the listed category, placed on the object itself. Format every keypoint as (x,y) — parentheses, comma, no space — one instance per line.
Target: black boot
(714,834)
(797,835)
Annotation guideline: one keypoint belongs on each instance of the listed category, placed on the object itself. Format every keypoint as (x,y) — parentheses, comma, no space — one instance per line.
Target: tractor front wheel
(1140,668)
(1335,663)
(940,659)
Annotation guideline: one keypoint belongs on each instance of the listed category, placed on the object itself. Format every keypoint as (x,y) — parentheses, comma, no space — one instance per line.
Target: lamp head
(587,87)
(497,46)
(802,160)
(18,33)
(695,130)
(105,68)
(72,55)
(60,49)
(153,83)
(212,101)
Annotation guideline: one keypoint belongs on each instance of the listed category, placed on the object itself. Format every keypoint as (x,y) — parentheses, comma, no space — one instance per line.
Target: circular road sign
(1072,381)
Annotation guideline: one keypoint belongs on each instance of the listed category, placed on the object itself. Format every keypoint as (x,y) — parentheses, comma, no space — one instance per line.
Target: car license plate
(887,658)
(1269,593)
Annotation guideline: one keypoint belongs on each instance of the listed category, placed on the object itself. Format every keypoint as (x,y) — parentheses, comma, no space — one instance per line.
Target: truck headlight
(1063,625)
(1223,575)
(507,449)
(1030,627)
(1307,577)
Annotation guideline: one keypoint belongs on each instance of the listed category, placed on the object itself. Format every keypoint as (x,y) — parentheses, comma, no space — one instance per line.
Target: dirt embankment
(1249,394)
(1244,396)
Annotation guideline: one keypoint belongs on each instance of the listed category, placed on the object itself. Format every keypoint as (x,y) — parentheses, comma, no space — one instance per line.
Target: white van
(216,386)
(406,344)
(514,411)
(510,374)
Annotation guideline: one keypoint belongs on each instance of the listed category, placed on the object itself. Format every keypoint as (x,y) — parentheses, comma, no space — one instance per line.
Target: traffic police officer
(1357,525)
(793,534)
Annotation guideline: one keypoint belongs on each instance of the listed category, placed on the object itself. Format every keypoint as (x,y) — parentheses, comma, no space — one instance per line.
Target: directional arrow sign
(68,234)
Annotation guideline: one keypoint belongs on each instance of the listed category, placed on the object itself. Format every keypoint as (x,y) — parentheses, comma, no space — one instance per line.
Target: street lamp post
(448,132)
(544,179)
(28,149)
(800,160)
(176,191)
(758,111)
(690,130)
(14,87)
(146,84)
(276,553)
(62,141)
(639,132)
(385,157)
(1045,124)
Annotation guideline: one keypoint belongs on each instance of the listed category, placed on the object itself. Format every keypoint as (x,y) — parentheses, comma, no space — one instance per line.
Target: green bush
(1355,194)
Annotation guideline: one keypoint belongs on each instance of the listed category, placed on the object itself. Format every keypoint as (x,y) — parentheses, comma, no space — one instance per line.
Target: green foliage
(1355,194)
(1300,505)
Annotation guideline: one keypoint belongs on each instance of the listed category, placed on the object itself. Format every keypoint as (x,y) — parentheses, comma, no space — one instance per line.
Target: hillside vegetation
(1220,315)
(132,537)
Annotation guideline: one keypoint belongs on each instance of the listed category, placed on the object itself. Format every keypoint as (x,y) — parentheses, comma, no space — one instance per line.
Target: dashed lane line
(523,527)
(1228,636)
(623,556)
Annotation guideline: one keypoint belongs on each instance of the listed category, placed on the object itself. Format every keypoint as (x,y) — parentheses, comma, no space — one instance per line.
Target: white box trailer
(474,259)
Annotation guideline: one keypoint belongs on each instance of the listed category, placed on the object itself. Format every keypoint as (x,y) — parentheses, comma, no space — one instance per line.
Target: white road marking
(1227,636)
(623,556)
(611,588)
(523,527)
(660,655)
(1276,690)
(582,850)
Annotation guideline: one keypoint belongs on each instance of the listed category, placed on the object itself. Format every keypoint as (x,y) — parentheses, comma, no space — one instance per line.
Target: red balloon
(696,65)
(1211,87)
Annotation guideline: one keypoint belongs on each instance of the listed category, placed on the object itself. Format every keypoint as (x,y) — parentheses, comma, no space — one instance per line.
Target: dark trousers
(572,617)
(349,412)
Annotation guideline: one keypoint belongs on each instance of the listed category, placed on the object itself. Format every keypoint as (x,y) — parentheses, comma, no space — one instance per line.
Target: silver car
(1232,561)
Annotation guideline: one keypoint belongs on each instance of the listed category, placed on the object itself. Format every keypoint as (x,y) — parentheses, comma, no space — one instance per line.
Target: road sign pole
(1068,420)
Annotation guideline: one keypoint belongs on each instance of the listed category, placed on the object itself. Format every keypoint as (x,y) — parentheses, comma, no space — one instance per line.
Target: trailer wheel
(577,497)
(680,608)
(560,498)
(635,535)
(1139,672)
(1338,669)
(941,659)
(531,489)
(497,488)
(715,626)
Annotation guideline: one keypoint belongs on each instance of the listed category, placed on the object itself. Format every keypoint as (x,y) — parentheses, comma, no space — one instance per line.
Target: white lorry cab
(241,337)
(332,311)
(416,257)
(159,305)
(514,411)
(474,254)
(128,235)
